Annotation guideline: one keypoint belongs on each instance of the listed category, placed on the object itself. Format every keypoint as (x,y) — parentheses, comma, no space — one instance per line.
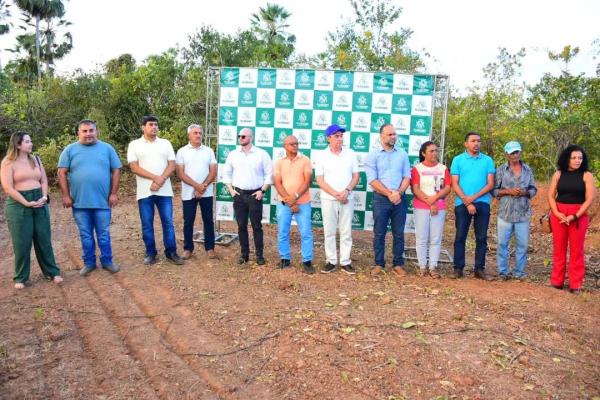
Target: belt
(237,189)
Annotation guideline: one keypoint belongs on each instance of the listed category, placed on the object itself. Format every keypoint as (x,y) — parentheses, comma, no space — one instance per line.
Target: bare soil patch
(213,330)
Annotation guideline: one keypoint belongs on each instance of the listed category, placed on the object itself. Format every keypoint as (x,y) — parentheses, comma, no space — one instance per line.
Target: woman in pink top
(430,183)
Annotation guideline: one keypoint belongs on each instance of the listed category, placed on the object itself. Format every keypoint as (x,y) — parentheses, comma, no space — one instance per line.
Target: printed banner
(276,103)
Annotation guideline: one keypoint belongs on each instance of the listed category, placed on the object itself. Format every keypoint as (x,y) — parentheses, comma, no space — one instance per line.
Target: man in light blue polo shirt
(472,180)
(88,176)
(388,173)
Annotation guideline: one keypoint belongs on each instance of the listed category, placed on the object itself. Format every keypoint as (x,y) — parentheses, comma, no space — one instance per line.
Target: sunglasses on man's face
(242,136)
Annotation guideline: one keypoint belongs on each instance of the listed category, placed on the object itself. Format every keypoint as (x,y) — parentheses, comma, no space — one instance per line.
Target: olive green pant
(30,225)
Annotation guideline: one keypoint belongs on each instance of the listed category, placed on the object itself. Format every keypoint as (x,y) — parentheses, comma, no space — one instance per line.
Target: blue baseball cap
(511,147)
(333,129)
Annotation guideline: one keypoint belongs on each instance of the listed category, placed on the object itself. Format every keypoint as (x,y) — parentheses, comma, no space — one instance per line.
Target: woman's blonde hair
(13,148)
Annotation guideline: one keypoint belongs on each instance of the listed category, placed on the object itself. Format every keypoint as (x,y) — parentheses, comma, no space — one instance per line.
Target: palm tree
(39,10)
(270,24)
(4,15)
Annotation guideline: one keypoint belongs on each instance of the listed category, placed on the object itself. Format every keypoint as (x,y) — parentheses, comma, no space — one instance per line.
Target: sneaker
(399,271)
(504,277)
(328,268)
(480,274)
(520,278)
(57,279)
(377,270)
(575,291)
(308,267)
(260,261)
(349,269)
(186,255)
(457,274)
(174,259)
(434,274)
(114,268)
(242,260)
(149,260)
(283,264)
(86,270)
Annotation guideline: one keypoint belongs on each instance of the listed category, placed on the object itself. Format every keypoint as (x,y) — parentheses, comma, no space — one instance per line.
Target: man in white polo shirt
(152,160)
(197,169)
(247,174)
(337,175)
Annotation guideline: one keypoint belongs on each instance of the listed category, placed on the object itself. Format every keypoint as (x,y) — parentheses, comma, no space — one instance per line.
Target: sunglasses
(242,136)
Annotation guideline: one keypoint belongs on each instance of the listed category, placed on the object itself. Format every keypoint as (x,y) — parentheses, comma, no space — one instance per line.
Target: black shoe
(575,291)
(480,274)
(308,268)
(328,268)
(561,287)
(349,269)
(284,263)
(458,273)
(149,260)
(175,259)
(260,261)
(86,270)
(114,268)
(242,260)
(504,277)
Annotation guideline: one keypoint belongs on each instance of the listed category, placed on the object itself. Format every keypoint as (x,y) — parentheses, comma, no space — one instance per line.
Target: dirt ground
(213,330)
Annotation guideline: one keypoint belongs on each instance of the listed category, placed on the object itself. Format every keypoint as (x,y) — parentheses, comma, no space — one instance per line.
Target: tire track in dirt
(168,373)
(185,336)
(116,372)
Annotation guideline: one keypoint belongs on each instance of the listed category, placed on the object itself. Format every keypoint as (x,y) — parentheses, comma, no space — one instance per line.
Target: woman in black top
(570,195)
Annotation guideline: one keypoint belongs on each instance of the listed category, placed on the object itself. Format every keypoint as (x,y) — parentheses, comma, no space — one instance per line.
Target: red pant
(574,235)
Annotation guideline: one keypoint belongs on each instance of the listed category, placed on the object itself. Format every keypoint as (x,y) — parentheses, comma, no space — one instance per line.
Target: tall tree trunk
(37,47)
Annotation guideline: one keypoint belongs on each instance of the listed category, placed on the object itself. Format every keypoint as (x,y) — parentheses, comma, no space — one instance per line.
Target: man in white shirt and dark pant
(247,174)
(197,169)
(337,175)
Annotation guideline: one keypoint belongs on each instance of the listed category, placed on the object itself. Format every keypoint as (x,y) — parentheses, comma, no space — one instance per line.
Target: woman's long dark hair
(565,157)
(423,149)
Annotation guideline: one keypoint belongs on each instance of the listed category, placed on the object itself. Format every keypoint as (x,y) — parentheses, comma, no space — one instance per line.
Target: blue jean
(284,221)
(89,220)
(164,205)
(505,230)
(189,216)
(383,212)
(481,220)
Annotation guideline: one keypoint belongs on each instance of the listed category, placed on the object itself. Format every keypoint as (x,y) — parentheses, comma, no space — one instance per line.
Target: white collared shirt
(153,156)
(248,170)
(196,162)
(336,169)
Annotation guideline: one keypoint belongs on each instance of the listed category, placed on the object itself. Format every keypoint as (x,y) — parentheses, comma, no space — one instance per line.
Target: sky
(462,36)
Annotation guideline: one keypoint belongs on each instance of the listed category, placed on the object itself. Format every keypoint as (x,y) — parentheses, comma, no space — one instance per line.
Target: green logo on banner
(420,126)
(377,120)
(284,98)
(319,140)
(401,104)
(343,80)
(227,116)
(423,84)
(280,135)
(305,152)
(305,79)
(302,119)
(266,78)
(362,181)
(265,117)
(316,217)
(362,102)
(359,141)
(402,142)
(222,192)
(342,118)
(409,201)
(414,160)
(223,152)
(273,216)
(369,201)
(358,220)
(323,100)
(247,97)
(383,82)
(230,77)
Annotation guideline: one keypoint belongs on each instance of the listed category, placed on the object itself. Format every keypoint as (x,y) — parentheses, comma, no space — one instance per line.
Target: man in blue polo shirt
(472,180)
(388,173)
(88,175)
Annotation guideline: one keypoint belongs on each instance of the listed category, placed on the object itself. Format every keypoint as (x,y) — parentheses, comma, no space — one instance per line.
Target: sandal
(57,279)
(19,285)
